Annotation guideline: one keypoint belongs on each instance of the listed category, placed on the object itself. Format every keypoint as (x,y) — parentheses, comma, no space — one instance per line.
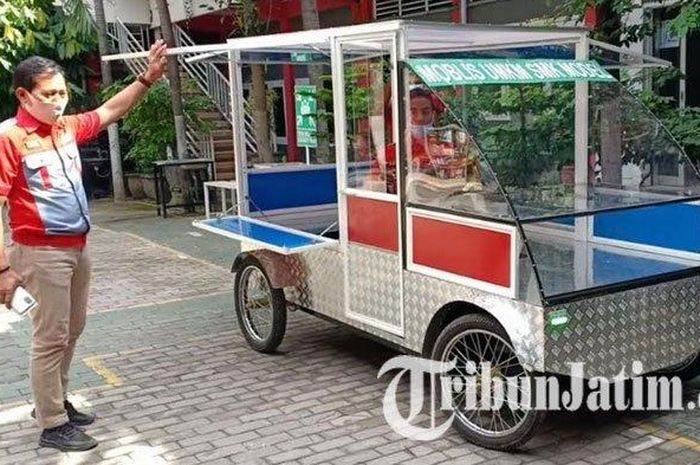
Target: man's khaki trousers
(59,279)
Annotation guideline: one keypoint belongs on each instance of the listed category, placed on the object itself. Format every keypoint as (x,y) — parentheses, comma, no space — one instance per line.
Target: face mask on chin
(45,112)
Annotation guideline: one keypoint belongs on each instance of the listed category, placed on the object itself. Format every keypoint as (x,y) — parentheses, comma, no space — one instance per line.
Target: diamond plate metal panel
(319,274)
(320,286)
(657,325)
(320,281)
(425,295)
(375,284)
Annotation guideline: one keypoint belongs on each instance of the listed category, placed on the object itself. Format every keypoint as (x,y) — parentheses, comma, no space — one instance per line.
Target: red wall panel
(463,250)
(373,222)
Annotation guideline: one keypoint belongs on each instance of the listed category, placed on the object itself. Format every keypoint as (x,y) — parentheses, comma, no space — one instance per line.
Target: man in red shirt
(40,180)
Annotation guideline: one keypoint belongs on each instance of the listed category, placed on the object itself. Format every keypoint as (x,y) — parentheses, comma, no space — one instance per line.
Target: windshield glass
(500,142)
(523,121)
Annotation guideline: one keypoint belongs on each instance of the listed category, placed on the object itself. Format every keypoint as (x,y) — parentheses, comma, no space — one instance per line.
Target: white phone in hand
(23,302)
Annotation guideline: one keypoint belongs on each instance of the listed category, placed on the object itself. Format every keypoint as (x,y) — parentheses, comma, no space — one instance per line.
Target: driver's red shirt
(421,161)
(40,175)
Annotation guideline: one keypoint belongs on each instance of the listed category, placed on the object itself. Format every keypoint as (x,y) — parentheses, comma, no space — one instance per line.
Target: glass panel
(445,167)
(637,200)
(565,265)
(371,148)
(633,158)
(526,133)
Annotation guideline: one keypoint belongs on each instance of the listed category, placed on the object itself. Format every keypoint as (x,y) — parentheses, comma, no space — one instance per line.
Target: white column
(238,127)
(583,224)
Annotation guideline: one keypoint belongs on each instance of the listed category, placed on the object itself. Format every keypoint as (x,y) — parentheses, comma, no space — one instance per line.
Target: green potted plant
(150,129)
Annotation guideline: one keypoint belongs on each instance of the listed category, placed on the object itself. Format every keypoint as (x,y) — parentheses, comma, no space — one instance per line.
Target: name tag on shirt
(32,144)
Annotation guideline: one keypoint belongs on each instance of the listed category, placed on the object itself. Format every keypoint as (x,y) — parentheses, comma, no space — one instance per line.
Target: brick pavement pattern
(130,271)
(173,382)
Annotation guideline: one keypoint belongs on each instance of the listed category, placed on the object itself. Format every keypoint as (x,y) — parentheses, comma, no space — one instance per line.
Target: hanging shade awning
(451,72)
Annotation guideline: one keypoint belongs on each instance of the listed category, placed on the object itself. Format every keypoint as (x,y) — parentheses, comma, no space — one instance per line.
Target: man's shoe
(75,417)
(78,418)
(67,438)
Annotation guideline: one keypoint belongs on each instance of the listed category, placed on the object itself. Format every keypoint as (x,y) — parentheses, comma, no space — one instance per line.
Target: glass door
(366,85)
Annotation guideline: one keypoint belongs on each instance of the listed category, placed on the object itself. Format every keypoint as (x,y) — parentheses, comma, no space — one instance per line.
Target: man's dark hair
(28,71)
(418,92)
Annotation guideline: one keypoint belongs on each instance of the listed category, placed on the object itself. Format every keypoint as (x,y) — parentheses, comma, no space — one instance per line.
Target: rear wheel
(261,310)
(474,340)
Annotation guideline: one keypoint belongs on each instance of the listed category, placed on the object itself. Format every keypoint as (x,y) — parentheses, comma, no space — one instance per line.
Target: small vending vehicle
(494,194)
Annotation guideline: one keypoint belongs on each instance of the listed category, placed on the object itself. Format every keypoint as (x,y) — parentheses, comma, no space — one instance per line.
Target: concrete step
(224,175)
(221,124)
(225,166)
(211,115)
(222,133)
(223,145)
(223,155)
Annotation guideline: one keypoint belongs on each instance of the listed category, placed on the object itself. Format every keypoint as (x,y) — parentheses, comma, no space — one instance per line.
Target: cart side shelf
(268,236)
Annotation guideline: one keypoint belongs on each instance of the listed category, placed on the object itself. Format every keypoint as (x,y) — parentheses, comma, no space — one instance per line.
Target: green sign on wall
(305,103)
(446,72)
(306,57)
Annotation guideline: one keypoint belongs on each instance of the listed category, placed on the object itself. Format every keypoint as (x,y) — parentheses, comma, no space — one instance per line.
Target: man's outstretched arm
(116,107)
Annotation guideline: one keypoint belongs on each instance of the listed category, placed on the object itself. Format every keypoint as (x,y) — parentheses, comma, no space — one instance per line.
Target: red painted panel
(590,18)
(373,222)
(463,250)
(275,10)
(456,13)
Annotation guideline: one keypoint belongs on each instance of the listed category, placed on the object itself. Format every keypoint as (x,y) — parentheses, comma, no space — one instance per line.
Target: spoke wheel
(261,310)
(689,369)
(478,344)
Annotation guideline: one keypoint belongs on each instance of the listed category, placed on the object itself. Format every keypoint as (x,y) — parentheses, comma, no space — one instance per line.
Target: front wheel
(478,342)
(261,310)
(689,369)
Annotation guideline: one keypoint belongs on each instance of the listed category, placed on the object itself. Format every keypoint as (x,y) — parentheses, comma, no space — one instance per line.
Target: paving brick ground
(173,382)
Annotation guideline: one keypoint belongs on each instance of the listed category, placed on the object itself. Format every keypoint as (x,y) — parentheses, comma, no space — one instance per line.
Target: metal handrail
(214,84)
(127,43)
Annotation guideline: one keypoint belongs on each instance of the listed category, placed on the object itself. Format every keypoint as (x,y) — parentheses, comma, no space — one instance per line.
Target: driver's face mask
(421,130)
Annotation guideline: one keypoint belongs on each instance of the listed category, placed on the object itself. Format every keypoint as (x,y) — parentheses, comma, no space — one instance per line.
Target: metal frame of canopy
(404,39)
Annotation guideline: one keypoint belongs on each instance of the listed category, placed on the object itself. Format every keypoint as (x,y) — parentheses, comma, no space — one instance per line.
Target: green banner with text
(306,107)
(446,72)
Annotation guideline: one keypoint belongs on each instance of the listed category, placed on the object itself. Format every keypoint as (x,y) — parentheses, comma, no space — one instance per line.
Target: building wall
(509,11)
(128,11)
(178,9)
(334,18)
(440,17)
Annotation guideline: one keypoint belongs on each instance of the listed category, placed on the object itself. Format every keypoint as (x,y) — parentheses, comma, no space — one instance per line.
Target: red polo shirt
(40,174)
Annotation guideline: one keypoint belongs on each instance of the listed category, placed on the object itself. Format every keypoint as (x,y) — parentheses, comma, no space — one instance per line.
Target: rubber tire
(517,438)
(690,371)
(279,310)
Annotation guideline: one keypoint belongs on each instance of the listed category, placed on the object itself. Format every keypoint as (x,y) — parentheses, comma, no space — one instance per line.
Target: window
(371,148)
(387,9)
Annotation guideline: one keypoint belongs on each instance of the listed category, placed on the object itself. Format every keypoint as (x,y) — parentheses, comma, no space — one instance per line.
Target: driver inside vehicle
(443,159)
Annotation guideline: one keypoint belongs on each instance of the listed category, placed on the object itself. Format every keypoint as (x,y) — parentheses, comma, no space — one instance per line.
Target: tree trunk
(310,21)
(115,156)
(611,143)
(608,30)
(260,114)
(166,29)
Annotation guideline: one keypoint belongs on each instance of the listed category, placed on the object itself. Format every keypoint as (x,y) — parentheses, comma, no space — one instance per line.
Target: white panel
(128,11)
(179,13)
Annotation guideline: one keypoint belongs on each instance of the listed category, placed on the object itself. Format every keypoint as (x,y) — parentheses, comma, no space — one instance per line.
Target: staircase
(215,85)
(221,137)
(123,40)
(212,83)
